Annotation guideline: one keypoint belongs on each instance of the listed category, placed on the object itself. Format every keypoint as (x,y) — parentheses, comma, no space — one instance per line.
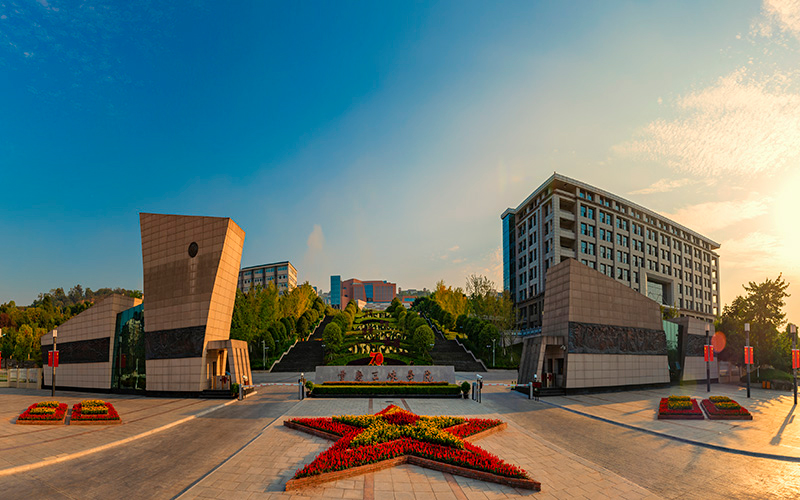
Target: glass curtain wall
(128,369)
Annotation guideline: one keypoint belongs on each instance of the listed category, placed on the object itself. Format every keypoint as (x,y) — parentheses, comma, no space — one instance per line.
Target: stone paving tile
(772,430)
(22,445)
(562,474)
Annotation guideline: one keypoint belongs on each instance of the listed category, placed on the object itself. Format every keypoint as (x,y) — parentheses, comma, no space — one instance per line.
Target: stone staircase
(449,352)
(305,355)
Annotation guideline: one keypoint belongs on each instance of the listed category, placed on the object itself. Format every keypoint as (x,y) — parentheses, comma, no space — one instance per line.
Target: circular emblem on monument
(192,249)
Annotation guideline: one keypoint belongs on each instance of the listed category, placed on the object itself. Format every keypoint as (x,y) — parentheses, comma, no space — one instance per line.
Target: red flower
(341,456)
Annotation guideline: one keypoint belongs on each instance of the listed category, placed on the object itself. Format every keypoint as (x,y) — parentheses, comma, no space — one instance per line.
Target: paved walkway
(774,429)
(29,446)
(261,470)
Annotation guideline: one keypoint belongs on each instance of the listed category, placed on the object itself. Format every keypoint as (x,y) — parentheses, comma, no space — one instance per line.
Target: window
(587,248)
(587,212)
(605,218)
(587,229)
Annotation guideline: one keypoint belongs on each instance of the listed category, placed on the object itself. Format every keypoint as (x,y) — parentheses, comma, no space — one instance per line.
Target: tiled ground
(28,444)
(562,474)
(774,428)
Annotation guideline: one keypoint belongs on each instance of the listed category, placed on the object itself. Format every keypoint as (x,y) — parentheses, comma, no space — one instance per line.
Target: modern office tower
(565,218)
(282,274)
(336,292)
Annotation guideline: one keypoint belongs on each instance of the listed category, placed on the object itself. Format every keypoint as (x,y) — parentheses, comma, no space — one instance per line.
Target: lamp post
(493,361)
(264,354)
(746,349)
(793,331)
(53,373)
(708,360)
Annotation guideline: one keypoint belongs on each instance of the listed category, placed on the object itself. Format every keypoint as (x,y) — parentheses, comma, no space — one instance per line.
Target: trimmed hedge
(449,389)
(393,384)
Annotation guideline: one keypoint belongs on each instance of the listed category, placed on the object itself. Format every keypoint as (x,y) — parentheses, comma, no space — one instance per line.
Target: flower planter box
(715,413)
(368,443)
(109,418)
(693,413)
(56,418)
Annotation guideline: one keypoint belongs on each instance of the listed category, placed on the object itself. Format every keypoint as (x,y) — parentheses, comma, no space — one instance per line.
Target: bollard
(241,393)
(530,390)
(474,391)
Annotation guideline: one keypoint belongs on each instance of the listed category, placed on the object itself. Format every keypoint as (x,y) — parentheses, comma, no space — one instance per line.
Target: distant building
(336,292)
(376,291)
(282,274)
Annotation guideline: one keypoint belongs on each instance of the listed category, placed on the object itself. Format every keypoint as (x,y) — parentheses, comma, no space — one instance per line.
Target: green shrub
(767,374)
(309,385)
(465,387)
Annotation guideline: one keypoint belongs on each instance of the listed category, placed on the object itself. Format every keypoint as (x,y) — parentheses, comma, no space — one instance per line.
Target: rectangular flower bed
(724,408)
(679,408)
(382,389)
(94,412)
(44,413)
(367,443)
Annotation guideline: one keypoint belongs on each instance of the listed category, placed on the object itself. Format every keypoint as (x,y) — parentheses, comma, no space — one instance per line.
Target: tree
(422,340)
(762,308)
(332,336)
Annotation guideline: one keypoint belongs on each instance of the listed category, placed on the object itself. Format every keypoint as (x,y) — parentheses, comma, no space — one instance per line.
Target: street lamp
(708,360)
(493,360)
(795,359)
(53,373)
(746,353)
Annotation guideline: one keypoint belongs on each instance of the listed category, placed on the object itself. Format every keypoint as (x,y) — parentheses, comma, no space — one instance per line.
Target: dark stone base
(149,394)
(616,388)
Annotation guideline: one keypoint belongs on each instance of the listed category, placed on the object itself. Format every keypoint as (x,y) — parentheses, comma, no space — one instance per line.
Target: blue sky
(382,140)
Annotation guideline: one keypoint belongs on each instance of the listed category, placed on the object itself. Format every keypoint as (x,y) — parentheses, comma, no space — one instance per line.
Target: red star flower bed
(366,443)
(679,408)
(724,408)
(44,413)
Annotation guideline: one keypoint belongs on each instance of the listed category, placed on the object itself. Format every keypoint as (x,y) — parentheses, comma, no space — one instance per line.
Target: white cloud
(316,240)
(453,249)
(711,216)
(756,251)
(741,125)
(663,186)
(785,12)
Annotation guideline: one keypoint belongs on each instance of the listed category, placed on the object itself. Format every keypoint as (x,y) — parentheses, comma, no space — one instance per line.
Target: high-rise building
(282,274)
(376,291)
(336,292)
(565,218)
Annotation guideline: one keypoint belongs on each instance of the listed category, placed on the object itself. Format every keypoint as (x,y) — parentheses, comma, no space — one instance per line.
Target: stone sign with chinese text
(388,373)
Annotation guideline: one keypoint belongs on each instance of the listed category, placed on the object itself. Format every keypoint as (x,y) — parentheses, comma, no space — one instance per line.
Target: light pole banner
(795,359)
(748,355)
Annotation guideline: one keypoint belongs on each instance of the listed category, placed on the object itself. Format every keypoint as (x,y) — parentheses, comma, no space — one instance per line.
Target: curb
(735,451)
(79,454)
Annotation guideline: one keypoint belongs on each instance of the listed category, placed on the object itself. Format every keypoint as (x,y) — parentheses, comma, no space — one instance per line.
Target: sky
(382,140)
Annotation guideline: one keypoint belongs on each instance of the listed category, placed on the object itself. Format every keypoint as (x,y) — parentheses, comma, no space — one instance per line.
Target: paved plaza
(261,454)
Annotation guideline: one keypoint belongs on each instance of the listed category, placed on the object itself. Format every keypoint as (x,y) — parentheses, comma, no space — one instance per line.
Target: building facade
(369,292)
(566,218)
(282,274)
(177,339)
